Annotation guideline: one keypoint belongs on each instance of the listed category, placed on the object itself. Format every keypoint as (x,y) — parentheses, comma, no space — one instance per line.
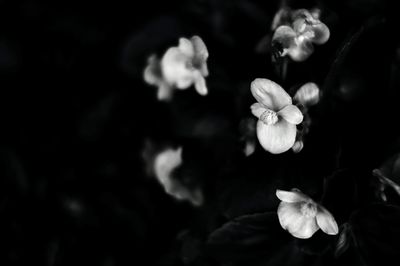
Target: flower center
(269,117)
(308,209)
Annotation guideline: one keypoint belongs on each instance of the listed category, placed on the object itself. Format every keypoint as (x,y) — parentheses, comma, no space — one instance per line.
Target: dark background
(75,117)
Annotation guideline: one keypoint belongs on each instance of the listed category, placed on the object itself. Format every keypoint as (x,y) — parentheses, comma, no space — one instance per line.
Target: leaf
(377,233)
(248,236)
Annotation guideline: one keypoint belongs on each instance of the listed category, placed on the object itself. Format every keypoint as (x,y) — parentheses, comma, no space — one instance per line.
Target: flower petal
(292,220)
(308,94)
(298,146)
(257,109)
(270,94)
(152,74)
(301,51)
(186,47)
(291,196)
(164,92)
(200,49)
(200,84)
(321,33)
(292,114)
(165,162)
(175,70)
(285,36)
(326,221)
(276,138)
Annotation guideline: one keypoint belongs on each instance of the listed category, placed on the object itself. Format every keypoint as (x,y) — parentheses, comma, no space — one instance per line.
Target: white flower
(278,117)
(180,67)
(302,217)
(297,39)
(164,164)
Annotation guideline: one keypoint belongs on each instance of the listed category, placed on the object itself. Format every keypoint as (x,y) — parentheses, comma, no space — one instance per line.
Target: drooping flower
(296,39)
(180,67)
(164,164)
(306,96)
(302,217)
(278,117)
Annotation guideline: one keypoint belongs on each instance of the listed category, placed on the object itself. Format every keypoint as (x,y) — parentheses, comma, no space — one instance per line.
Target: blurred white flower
(302,217)
(309,94)
(164,164)
(296,40)
(278,117)
(180,67)
(153,76)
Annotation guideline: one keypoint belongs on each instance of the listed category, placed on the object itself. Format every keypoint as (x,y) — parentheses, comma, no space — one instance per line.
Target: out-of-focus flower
(302,217)
(296,40)
(247,129)
(180,67)
(307,95)
(278,117)
(388,176)
(164,164)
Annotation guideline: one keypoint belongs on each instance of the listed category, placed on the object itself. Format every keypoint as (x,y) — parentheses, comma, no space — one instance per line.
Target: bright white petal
(186,47)
(174,66)
(291,196)
(292,220)
(276,138)
(270,94)
(308,94)
(200,85)
(326,221)
(292,114)
(257,109)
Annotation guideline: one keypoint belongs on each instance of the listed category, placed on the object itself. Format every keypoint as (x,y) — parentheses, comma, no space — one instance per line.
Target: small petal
(291,196)
(257,109)
(298,146)
(308,94)
(285,36)
(249,148)
(292,114)
(165,162)
(302,51)
(326,221)
(276,138)
(164,92)
(292,220)
(186,47)
(200,48)
(270,94)
(200,85)
(152,74)
(321,33)
(175,70)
